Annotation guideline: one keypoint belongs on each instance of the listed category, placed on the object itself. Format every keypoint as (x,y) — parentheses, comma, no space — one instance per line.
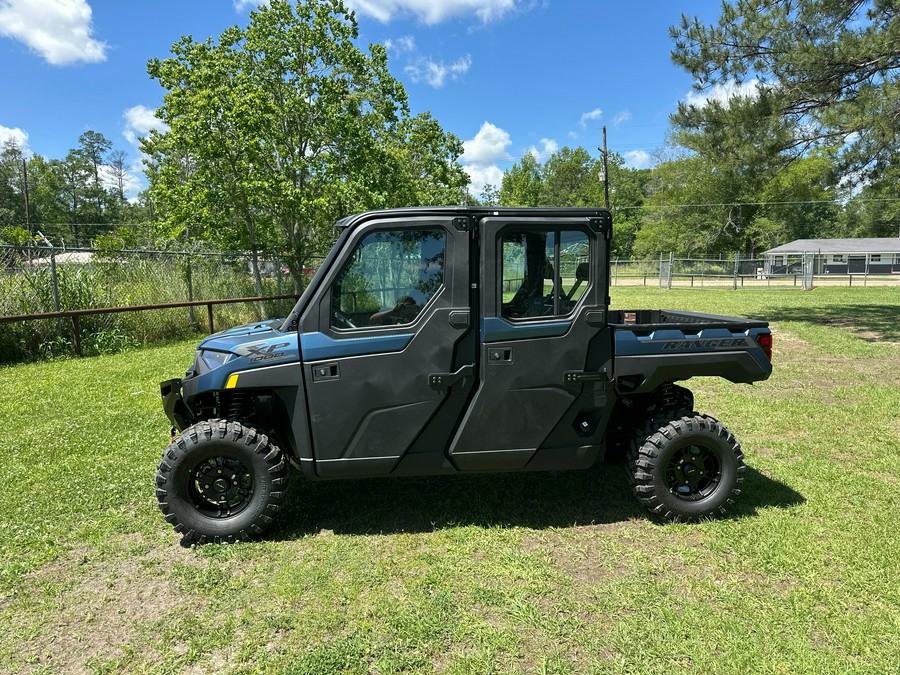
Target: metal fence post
(190,287)
(737,263)
(278,283)
(54,281)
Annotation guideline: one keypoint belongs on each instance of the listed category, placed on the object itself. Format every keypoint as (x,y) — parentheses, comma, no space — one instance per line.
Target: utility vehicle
(453,340)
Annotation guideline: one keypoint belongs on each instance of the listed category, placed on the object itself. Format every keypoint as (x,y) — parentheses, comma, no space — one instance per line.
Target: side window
(544,272)
(389,278)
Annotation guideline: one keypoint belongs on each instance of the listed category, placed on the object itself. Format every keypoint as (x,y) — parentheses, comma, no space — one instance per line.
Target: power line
(808,201)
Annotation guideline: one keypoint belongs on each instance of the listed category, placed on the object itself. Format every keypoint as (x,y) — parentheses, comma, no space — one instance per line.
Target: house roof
(870,245)
(75,257)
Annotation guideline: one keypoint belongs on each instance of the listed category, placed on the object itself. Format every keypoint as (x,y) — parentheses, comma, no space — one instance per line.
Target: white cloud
(594,114)
(483,175)
(621,117)
(637,159)
(433,11)
(407,43)
(58,30)
(723,93)
(435,73)
(241,5)
(489,145)
(549,147)
(19,136)
(139,120)
(482,154)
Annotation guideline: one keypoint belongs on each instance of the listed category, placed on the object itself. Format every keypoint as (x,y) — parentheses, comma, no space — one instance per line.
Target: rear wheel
(686,467)
(220,482)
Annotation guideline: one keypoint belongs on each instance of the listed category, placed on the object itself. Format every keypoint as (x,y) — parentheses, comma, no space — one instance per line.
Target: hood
(252,346)
(257,343)
(248,329)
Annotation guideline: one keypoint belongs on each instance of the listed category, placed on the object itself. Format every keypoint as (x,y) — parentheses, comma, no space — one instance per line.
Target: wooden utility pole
(605,175)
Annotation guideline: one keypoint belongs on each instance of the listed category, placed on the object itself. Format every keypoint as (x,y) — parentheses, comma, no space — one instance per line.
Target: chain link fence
(36,280)
(41,279)
(801,271)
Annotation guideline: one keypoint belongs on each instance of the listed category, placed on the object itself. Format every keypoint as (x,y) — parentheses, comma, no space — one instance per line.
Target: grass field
(536,573)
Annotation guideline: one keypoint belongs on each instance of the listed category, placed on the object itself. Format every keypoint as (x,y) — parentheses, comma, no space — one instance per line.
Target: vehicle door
(388,348)
(544,361)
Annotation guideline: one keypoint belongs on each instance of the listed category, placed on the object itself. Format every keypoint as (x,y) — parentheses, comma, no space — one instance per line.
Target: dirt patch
(100,604)
(585,557)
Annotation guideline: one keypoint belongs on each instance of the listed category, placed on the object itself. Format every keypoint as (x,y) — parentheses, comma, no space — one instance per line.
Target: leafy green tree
(74,172)
(12,200)
(571,178)
(799,201)
(48,201)
(694,208)
(523,183)
(827,75)
(627,192)
(91,151)
(277,130)
(875,210)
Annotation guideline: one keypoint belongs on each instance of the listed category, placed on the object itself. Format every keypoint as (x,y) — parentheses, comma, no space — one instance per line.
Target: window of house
(389,278)
(838,258)
(876,257)
(544,273)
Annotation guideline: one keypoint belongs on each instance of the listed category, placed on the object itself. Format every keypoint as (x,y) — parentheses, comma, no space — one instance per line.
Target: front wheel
(686,467)
(220,482)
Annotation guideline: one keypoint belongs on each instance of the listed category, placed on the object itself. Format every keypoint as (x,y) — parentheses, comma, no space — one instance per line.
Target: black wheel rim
(693,472)
(220,487)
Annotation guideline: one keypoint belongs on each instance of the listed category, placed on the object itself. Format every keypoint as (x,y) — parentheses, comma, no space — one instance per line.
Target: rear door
(544,348)
(389,348)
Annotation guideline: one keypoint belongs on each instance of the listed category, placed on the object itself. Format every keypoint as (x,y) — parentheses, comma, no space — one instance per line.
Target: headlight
(212,359)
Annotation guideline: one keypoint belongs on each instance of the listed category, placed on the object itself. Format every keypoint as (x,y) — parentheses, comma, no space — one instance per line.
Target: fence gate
(808,268)
(665,274)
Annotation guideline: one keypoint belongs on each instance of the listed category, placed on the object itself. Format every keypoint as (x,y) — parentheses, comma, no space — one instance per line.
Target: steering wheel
(341,320)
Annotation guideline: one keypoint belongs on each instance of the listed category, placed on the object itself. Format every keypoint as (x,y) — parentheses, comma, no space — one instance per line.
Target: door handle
(447,380)
(500,355)
(326,371)
(459,319)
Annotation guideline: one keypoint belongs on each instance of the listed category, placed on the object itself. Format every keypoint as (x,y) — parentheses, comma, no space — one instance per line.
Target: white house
(877,255)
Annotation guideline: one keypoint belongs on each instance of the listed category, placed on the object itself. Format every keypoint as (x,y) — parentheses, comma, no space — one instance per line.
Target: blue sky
(506,76)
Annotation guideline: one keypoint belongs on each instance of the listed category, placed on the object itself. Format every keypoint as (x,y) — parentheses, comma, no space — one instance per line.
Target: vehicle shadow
(599,495)
(874,323)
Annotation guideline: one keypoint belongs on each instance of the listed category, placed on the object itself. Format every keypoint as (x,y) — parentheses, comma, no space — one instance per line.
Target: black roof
(475,211)
(861,245)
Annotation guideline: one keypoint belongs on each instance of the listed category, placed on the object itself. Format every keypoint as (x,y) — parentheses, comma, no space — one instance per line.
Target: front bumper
(173,404)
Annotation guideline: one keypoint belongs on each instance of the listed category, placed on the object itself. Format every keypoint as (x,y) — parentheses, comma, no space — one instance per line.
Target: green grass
(543,573)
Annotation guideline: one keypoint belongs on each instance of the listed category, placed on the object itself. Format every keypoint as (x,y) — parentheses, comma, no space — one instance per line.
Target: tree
(875,210)
(277,130)
(826,71)
(627,193)
(118,171)
(571,178)
(523,183)
(12,200)
(696,208)
(75,173)
(91,151)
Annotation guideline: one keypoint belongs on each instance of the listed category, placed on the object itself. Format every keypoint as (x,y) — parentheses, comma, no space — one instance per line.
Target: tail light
(764,341)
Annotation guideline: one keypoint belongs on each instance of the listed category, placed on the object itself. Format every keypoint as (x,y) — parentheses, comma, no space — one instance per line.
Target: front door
(389,349)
